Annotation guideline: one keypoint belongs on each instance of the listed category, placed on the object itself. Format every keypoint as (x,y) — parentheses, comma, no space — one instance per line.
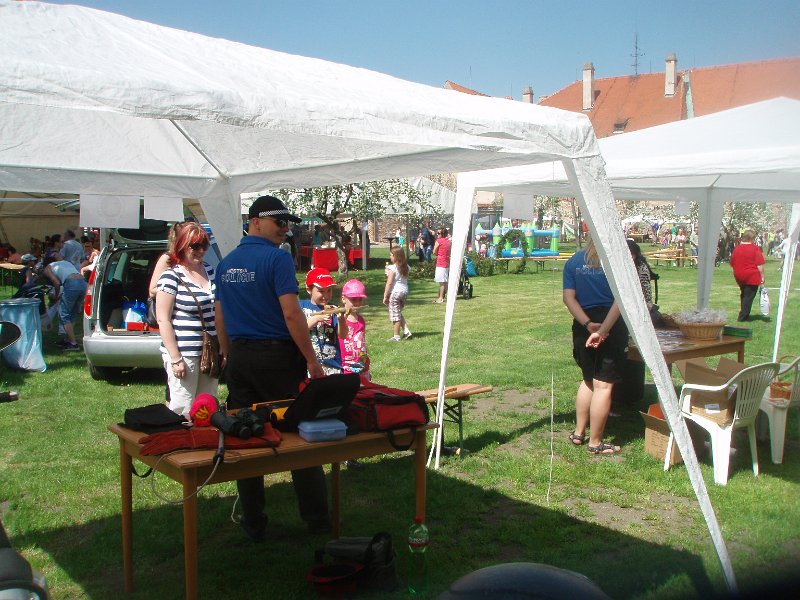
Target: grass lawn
(523,493)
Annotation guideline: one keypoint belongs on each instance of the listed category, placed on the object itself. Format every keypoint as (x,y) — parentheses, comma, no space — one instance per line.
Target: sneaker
(394,338)
(71,348)
(407,334)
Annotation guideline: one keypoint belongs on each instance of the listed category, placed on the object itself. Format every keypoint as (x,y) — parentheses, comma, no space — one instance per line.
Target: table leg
(126,484)
(461,428)
(190,532)
(740,354)
(336,491)
(420,446)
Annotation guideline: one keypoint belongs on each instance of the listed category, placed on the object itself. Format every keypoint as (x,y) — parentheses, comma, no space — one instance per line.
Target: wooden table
(11,269)
(676,347)
(190,468)
(453,410)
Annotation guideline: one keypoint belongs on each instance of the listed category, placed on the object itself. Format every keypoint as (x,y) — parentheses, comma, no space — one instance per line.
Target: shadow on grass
(471,527)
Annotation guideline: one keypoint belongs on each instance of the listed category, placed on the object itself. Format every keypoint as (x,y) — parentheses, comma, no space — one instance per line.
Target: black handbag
(150,318)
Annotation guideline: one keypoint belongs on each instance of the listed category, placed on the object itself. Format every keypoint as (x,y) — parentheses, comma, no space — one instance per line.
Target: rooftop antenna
(636,54)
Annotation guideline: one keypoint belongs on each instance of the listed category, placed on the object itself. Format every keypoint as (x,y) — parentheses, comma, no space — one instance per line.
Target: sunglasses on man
(279,222)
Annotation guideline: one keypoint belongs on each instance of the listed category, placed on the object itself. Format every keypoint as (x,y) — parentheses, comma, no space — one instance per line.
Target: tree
(361,201)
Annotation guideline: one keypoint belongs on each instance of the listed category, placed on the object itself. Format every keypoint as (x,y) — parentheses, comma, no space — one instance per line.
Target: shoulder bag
(210,360)
(150,318)
(380,408)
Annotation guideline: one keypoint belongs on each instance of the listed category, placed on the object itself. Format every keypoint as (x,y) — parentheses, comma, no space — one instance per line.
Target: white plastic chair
(777,409)
(750,386)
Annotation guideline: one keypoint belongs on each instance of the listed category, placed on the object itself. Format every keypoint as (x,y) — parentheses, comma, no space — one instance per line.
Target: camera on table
(244,424)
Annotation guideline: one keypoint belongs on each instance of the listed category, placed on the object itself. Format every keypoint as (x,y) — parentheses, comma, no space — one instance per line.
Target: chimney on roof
(671,75)
(527,95)
(588,86)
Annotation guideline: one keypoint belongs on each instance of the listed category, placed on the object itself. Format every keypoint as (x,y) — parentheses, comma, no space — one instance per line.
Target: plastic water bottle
(418,539)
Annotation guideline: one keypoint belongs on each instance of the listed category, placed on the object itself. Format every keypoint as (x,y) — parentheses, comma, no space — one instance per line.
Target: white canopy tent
(746,154)
(126,108)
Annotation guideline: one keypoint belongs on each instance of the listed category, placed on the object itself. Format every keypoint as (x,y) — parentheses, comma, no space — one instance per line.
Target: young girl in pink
(354,345)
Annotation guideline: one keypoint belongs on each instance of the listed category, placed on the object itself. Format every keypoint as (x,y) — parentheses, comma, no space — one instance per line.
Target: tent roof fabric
(750,153)
(157,111)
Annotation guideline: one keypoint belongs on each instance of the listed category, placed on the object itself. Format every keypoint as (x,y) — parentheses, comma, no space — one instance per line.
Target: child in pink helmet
(354,345)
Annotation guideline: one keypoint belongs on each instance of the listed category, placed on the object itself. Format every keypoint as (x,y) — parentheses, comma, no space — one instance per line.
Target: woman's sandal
(577,440)
(604,449)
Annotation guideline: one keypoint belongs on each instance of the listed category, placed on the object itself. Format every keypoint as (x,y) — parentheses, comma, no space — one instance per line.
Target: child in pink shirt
(354,345)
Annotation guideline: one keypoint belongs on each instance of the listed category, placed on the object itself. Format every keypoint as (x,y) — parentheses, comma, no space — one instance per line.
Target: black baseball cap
(270,206)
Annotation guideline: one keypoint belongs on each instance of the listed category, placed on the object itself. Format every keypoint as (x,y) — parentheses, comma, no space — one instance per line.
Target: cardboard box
(715,406)
(728,368)
(656,436)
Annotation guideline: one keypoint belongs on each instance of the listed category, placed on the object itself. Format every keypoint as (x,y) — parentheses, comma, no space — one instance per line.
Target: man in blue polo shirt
(266,348)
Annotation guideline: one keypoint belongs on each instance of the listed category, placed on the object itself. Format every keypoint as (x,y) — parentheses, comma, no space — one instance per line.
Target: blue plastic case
(322,430)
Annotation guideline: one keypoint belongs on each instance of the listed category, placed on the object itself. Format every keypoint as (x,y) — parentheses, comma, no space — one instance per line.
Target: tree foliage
(360,201)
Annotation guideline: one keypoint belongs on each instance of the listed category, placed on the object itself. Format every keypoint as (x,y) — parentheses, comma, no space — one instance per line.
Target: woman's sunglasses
(199,246)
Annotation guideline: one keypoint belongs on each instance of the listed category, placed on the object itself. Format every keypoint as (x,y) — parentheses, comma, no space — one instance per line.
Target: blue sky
(494,46)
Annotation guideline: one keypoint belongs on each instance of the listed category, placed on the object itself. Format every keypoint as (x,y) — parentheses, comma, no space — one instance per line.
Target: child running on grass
(396,292)
(354,344)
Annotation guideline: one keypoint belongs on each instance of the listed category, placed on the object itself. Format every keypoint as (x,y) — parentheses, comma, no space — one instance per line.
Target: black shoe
(319,526)
(257,532)
(9,396)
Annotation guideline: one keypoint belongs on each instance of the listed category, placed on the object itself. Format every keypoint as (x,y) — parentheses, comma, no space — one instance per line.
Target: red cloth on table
(204,437)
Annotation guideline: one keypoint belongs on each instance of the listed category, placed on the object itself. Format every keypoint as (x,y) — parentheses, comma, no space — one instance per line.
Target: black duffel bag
(375,558)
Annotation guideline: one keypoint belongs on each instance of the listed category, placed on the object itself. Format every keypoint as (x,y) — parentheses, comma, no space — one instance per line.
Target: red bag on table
(380,408)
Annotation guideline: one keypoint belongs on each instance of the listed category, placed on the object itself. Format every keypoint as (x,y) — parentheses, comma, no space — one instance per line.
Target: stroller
(464,285)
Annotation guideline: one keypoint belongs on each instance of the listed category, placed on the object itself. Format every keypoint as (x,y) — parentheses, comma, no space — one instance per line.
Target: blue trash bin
(26,353)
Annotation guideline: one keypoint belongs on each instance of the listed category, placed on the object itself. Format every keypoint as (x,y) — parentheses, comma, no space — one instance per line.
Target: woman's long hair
(400,260)
(591,259)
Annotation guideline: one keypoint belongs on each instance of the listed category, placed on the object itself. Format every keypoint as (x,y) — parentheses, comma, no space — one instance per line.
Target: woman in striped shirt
(180,289)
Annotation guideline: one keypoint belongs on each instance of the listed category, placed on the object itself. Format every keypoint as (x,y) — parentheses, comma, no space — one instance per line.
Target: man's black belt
(246,342)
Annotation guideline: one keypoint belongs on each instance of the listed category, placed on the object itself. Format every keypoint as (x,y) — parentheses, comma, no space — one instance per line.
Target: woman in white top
(396,292)
(189,283)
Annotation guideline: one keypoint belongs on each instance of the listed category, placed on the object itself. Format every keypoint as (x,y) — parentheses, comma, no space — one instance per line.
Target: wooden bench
(454,396)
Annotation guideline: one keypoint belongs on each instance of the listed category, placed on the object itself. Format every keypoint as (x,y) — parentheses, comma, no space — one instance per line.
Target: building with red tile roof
(632,102)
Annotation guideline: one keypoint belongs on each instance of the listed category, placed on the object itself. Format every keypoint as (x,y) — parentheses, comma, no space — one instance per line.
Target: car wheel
(103,373)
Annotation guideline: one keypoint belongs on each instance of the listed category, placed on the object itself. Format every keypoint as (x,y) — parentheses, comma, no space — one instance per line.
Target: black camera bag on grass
(375,558)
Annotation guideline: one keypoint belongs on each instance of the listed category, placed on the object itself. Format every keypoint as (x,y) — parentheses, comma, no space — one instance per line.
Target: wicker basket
(780,389)
(700,331)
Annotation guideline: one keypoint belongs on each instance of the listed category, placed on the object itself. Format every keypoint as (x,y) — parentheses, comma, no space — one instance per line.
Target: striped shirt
(185,316)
